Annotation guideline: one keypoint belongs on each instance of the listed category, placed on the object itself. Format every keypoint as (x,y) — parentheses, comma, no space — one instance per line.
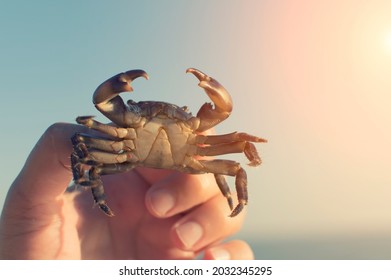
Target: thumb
(46,173)
(35,199)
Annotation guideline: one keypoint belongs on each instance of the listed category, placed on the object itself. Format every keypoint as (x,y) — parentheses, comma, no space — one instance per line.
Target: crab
(159,135)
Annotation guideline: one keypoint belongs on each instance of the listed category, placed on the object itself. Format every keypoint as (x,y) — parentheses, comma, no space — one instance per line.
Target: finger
(180,192)
(47,165)
(205,225)
(231,250)
(152,175)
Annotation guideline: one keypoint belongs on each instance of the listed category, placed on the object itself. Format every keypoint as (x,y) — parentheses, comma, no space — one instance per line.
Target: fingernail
(189,233)
(220,254)
(162,201)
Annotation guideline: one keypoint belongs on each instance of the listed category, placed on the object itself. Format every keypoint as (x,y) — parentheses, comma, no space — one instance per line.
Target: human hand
(159,214)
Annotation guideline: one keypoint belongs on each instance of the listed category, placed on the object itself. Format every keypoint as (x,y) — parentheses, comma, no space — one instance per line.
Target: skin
(159,214)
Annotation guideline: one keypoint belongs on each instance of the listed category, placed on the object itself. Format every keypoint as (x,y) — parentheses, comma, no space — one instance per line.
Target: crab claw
(208,115)
(106,96)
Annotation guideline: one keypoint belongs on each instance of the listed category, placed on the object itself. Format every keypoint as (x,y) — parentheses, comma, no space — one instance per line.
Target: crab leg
(77,168)
(229,148)
(98,192)
(102,143)
(221,149)
(82,160)
(228,138)
(96,185)
(223,186)
(230,168)
(95,156)
(209,116)
(117,132)
(230,143)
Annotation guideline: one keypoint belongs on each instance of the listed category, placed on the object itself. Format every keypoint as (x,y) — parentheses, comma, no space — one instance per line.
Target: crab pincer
(210,116)
(107,100)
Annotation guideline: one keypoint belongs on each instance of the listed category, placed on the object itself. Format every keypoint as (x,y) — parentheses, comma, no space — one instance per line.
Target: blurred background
(310,76)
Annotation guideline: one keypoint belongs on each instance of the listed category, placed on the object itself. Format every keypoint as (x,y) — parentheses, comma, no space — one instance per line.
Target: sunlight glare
(388,41)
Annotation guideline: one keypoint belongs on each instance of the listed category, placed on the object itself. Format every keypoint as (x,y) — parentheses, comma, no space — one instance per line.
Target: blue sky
(312,77)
